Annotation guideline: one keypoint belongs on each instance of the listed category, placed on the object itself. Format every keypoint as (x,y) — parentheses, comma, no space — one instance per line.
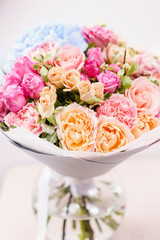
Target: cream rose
(47,101)
(99,89)
(145,124)
(77,127)
(145,95)
(70,79)
(86,90)
(111,135)
(54,77)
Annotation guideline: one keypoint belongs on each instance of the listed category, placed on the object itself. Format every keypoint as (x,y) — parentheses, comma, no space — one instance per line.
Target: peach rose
(47,101)
(86,90)
(70,79)
(77,127)
(99,89)
(145,95)
(145,124)
(54,77)
(111,135)
(71,57)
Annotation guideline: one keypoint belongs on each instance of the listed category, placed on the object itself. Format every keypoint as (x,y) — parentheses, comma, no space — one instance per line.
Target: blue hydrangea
(64,33)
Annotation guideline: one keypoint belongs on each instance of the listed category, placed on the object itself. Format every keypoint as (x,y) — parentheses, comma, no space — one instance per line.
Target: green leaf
(11,126)
(155,82)
(36,66)
(131,69)
(121,89)
(47,57)
(132,52)
(41,120)
(91,45)
(48,129)
(44,71)
(4,127)
(127,82)
(110,68)
(37,59)
(52,119)
(52,138)
(121,73)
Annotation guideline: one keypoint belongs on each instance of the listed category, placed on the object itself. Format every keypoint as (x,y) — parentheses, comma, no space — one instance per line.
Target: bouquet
(80,93)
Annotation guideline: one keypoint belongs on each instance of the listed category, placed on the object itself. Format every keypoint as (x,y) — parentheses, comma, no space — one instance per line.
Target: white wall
(137,20)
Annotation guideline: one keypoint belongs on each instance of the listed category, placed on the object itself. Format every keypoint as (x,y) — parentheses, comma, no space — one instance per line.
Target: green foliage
(4,127)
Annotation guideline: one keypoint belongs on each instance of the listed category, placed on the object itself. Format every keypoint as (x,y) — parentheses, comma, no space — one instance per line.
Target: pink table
(141,179)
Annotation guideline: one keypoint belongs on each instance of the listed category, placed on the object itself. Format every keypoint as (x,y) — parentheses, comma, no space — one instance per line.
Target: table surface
(140,178)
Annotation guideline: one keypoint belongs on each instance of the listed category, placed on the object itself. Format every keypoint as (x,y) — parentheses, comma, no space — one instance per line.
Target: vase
(88,209)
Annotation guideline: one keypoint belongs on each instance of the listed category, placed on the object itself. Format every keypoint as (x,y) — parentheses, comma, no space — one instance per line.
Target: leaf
(52,119)
(41,120)
(48,129)
(11,126)
(3,127)
(37,59)
(155,82)
(91,45)
(52,138)
(47,57)
(110,68)
(127,82)
(132,52)
(121,73)
(131,69)
(36,66)
(44,71)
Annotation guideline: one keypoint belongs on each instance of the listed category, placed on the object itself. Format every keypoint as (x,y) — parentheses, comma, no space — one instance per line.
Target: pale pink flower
(120,107)
(115,67)
(99,35)
(70,57)
(148,64)
(23,65)
(83,77)
(27,118)
(145,95)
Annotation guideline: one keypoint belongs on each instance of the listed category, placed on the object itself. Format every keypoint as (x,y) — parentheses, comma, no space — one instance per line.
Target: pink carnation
(32,85)
(84,77)
(120,107)
(99,35)
(111,81)
(11,78)
(95,54)
(115,67)
(91,68)
(27,118)
(14,98)
(3,108)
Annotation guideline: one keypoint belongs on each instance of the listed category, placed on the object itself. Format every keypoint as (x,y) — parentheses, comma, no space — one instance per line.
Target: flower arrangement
(88,94)
(80,89)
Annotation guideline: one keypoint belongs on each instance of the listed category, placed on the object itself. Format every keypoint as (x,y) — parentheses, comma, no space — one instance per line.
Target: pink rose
(120,107)
(115,67)
(3,108)
(11,78)
(71,57)
(23,65)
(95,54)
(84,77)
(27,118)
(91,68)
(99,35)
(32,85)
(111,81)
(145,95)
(14,98)
(148,64)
